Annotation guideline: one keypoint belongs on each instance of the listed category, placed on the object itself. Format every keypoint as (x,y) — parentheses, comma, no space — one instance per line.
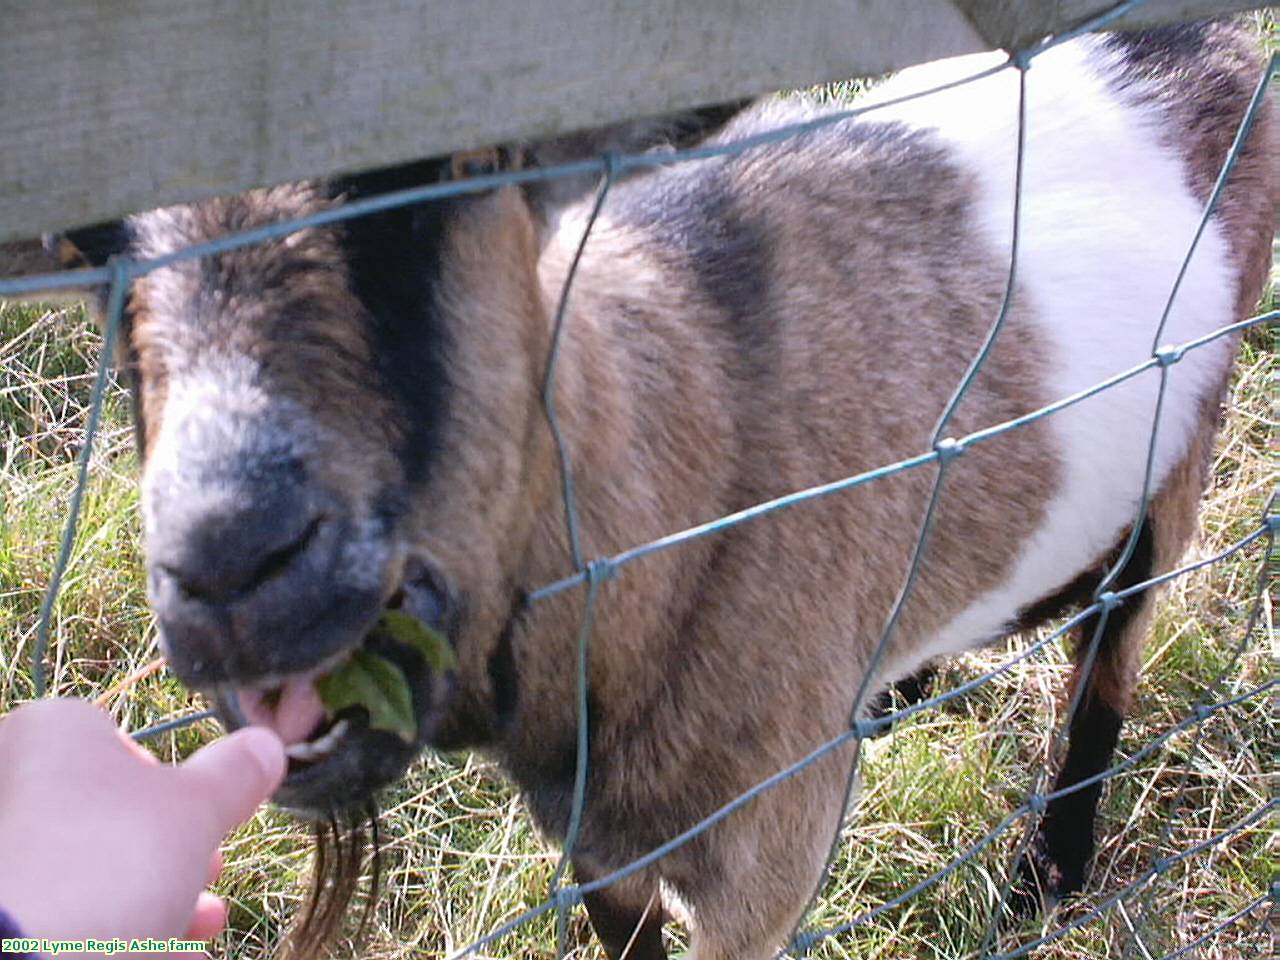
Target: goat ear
(487,160)
(53,252)
(20,258)
(89,246)
(670,131)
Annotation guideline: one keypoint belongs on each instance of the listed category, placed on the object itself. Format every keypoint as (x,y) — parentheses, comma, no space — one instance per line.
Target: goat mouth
(339,758)
(293,708)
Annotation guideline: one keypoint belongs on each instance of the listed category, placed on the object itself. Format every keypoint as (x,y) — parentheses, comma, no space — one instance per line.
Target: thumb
(234,775)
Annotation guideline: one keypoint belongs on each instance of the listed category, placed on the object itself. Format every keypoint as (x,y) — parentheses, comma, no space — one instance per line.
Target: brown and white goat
(351,417)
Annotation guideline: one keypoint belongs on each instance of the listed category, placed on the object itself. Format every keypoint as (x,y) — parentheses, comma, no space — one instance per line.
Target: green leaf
(412,632)
(373,682)
(376,684)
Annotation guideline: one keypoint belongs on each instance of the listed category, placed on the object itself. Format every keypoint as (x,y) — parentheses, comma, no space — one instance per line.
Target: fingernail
(267,749)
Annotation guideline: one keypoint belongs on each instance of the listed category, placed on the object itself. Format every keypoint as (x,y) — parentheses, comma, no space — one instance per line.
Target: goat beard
(343,844)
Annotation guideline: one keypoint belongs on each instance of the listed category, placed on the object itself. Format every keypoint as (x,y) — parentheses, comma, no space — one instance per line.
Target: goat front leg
(626,916)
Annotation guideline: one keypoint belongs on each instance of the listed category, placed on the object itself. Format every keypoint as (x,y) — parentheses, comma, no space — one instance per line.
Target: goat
(350,418)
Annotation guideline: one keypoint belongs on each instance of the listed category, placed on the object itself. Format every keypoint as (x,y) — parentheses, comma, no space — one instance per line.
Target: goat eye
(475,163)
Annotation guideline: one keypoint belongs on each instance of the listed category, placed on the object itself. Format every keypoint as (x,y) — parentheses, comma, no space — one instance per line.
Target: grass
(462,857)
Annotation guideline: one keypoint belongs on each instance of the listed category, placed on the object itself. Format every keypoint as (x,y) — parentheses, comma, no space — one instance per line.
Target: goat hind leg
(1057,863)
(1102,684)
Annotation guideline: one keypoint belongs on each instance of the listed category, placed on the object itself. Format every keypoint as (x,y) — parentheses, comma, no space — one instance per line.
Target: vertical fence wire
(1224,174)
(1164,356)
(595,570)
(1212,691)
(568,497)
(120,277)
(947,450)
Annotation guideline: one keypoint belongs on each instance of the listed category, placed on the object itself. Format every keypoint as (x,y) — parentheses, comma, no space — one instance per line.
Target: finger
(63,717)
(73,733)
(137,749)
(232,776)
(215,867)
(208,918)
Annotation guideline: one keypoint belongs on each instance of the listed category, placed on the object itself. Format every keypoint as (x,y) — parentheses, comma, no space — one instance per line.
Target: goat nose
(249,587)
(218,554)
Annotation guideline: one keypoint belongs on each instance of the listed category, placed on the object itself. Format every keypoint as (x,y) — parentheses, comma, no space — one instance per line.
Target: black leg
(1060,853)
(627,922)
(910,690)
(1059,857)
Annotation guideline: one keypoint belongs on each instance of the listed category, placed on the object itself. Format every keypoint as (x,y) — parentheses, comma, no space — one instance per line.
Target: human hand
(99,840)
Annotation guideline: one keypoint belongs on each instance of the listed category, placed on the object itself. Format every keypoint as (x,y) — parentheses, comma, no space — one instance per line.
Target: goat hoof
(1029,896)
(1041,882)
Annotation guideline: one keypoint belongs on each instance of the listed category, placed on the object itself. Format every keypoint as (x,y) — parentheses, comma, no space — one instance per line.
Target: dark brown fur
(346,848)
(1204,116)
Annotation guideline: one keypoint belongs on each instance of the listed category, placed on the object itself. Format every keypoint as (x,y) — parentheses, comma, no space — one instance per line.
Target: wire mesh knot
(1037,803)
(1202,712)
(1021,59)
(566,898)
(1161,866)
(612,162)
(121,267)
(865,729)
(601,570)
(802,943)
(1109,600)
(1273,523)
(1167,354)
(947,449)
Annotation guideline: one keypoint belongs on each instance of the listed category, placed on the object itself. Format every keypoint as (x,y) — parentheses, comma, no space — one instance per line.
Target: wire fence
(589,574)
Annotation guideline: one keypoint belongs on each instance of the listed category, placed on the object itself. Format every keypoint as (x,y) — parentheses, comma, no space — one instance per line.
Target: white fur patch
(1107,219)
(215,415)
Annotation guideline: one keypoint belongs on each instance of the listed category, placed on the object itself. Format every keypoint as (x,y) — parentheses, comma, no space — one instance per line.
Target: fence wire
(589,574)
